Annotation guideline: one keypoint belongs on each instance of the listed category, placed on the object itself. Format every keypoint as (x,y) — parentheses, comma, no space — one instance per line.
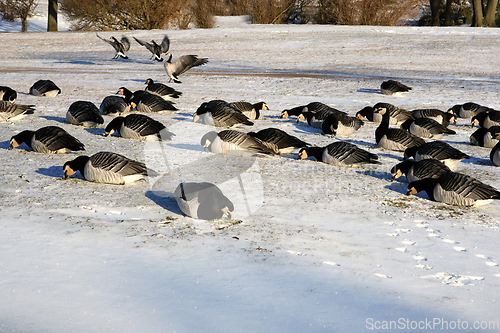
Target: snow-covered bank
(324,248)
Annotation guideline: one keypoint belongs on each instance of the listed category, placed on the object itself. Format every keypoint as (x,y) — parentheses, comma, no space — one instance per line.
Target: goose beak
(411,190)
(284,114)
(226,212)
(13,144)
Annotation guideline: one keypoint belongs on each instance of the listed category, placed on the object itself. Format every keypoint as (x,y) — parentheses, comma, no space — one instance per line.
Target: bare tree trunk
(52,20)
(447,13)
(24,24)
(489,16)
(435,12)
(478,13)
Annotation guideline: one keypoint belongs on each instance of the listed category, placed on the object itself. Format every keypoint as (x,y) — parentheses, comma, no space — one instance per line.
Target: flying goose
(121,46)
(138,126)
(114,105)
(426,128)
(156,49)
(7,94)
(162,90)
(340,124)
(394,138)
(391,87)
(437,150)
(221,114)
(444,118)
(144,101)
(312,107)
(414,170)
(339,153)
(252,111)
(455,189)
(42,88)
(495,154)
(485,137)
(182,64)
(235,143)
(468,110)
(285,143)
(10,111)
(486,119)
(203,201)
(84,113)
(48,140)
(107,168)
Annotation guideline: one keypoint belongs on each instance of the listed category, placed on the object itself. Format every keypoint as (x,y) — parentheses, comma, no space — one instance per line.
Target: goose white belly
(391,145)
(345,130)
(102,176)
(451,197)
(204,118)
(6,118)
(128,133)
(489,141)
(219,146)
(41,148)
(329,159)
(190,208)
(422,132)
(496,157)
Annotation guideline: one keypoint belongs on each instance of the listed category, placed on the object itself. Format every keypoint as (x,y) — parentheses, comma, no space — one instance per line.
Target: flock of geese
(427,165)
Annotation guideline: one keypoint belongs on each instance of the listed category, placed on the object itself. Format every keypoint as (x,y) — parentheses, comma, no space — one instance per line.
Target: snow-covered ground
(312,248)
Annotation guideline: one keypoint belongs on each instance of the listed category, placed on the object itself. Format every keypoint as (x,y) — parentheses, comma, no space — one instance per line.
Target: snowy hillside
(312,247)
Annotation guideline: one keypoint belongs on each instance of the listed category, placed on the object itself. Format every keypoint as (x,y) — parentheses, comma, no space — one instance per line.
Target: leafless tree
(484,13)
(18,9)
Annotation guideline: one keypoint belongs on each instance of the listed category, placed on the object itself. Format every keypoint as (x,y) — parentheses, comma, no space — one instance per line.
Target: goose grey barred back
(340,153)
(107,168)
(495,154)
(48,140)
(426,128)
(455,189)
(392,87)
(7,94)
(203,201)
(340,124)
(284,142)
(10,111)
(221,114)
(444,118)
(144,101)
(138,126)
(156,49)
(162,90)
(315,119)
(113,106)
(44,88)
(252,111)
(235,143)
(121,46)
(181,65)
(486,119)
(468,110)
(437,150)
(394,138)
(312,107)
(485,137)
(84,113)
(414,170)
(396,115)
